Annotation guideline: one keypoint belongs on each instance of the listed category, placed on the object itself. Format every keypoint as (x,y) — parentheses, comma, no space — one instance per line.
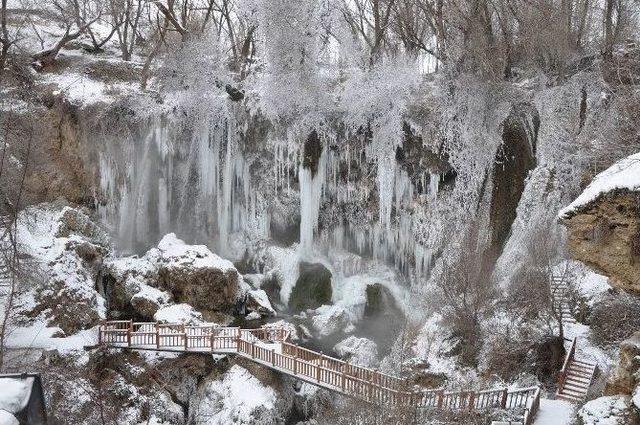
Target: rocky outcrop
(237,397)
(626,376)
(605,235)
(63,251)
(603,224)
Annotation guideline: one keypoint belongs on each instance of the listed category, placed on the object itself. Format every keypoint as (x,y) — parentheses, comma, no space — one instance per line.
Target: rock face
(626,376)
(606,236)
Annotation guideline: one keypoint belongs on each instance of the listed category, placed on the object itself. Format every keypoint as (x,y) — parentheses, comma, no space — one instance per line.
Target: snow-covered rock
(66,250)
(331,319)
(178,313)
(432,345)
(604,227)
(610,410)
(282,324)
(176,272)
(626,375)
(358,351)
(236,398)
(623,175)
(195,275)
(148,300)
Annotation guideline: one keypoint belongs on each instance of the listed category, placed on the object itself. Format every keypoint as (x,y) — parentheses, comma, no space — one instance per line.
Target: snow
(358,351)
(253,316)
(282,324)
(176,253)
(433,344)
(39,335)
(554,412)
(592,284)
(238,398)
(15,394)
(330,319)
(81,89)
(624,174)
(152,294)
(609,410)
(7,418)
(178,313)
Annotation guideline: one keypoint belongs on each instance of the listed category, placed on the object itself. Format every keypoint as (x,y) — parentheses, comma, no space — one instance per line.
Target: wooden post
(184,335)
(472,400)
(253,349)
(129,329)
(212,340)
(344,379)
(100,333)
(157,336)
(503,401)
(295,361)
(440,401)
(273,357)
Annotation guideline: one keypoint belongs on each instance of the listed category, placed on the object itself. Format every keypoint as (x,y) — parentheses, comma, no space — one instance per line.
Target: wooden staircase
(575,377)
(560,295)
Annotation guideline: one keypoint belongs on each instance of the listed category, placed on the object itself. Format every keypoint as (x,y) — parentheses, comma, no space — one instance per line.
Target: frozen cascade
(199,189)
(310,195)
(195,180)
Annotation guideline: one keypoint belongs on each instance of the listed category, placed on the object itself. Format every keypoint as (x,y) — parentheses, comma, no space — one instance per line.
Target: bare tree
(71,15)
(6,41)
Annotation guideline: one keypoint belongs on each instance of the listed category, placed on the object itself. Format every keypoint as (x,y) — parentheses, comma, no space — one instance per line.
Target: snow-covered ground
(555,412)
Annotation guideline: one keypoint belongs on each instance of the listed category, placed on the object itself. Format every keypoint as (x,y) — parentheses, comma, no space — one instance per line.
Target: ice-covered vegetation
(385,177)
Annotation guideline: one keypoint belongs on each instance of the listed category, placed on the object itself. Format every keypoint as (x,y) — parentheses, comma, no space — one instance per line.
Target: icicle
(310,196)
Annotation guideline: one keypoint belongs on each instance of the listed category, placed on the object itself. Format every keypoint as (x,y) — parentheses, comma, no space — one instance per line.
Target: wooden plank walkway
(270,347)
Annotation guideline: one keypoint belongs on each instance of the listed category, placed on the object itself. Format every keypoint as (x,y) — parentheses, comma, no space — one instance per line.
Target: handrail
(562,375)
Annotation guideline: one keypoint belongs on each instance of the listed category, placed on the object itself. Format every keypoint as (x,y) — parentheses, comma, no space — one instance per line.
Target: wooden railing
(270,347)
(531,410)
(562,375)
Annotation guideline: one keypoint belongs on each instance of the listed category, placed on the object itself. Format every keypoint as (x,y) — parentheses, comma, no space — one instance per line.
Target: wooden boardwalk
(270,347)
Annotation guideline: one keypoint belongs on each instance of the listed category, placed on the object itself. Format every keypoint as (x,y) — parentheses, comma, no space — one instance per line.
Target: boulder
(193,274)
(128,284)
(331,319)
(148,300)
(626,376)
(358,351)
(312,289)
(609,410)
